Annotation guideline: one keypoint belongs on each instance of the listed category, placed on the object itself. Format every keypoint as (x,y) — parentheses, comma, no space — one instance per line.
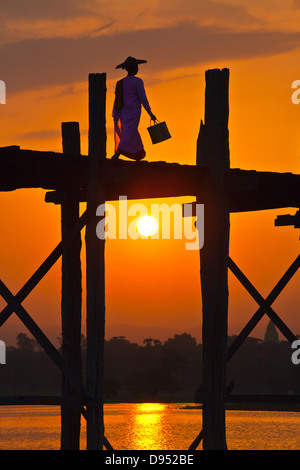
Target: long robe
(128,141)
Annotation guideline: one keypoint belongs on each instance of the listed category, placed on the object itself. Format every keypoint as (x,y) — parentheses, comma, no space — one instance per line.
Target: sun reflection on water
(147,426)
(150,426)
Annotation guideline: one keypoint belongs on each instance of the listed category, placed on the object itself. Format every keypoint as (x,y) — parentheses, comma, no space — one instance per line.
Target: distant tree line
(155,370)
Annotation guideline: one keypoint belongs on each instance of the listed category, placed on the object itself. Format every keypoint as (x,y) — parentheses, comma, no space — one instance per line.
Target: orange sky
(46,56)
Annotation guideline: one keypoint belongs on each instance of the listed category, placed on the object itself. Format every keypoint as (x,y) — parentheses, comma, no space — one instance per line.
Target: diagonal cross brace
(43,340)
(73,378)
(44,268)
(264,307)
(264,304)
(14,304)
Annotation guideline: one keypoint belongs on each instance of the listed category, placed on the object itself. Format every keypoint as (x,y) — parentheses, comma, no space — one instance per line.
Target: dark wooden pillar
(95,274)
(213,154)
(71,298)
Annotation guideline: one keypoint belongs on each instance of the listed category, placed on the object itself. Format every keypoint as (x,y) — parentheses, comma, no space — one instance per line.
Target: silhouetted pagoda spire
(271,333)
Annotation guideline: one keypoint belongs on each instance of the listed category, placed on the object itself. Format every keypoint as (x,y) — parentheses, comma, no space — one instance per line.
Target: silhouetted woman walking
(130,95)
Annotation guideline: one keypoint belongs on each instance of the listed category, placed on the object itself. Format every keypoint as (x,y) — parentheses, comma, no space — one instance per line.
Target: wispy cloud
(33,19)
(32,64)
(34,9)
(39,135)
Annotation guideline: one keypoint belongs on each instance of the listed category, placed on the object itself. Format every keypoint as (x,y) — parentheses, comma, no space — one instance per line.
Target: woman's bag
(158,132)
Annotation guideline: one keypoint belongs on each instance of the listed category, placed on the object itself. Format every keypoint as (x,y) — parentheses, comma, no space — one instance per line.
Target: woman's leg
(116,155)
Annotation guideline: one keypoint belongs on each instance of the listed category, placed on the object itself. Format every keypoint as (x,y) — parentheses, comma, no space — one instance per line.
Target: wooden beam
(18,400)
(95,270)
(71,298)
(249,190)
(264,398)
(213,153)
(43,400)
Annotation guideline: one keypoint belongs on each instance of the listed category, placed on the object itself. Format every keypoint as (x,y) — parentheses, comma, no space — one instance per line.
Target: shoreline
(239,406)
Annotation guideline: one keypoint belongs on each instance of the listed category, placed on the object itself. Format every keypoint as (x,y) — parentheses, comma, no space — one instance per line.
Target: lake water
(150,426)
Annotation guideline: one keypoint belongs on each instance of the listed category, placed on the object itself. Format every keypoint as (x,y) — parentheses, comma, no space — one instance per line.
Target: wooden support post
(95,262)
(71,298)
(213,155)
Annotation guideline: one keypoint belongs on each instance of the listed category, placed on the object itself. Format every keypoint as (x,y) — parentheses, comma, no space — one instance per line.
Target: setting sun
(147,226)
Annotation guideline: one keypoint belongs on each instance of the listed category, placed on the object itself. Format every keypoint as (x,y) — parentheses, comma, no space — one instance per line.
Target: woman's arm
(143,97)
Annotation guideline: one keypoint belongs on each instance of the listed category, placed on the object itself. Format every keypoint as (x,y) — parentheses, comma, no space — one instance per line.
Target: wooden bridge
(248,190)
(69,178)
